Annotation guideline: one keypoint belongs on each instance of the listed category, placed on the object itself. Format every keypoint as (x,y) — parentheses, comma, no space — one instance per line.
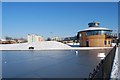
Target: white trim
(94,28)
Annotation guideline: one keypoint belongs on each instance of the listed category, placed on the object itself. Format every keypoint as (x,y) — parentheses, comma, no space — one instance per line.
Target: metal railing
(104,68)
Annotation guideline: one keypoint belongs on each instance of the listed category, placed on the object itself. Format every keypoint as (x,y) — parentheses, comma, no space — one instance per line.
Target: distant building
(96,36)
(70,39)
(55,38)
(20,40)
(4,41)
(34,38)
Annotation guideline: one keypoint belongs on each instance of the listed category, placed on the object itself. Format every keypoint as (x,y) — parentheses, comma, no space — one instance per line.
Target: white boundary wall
(45,45)
(116,66)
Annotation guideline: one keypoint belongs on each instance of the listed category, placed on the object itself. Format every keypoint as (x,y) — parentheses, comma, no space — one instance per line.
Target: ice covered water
(49,64)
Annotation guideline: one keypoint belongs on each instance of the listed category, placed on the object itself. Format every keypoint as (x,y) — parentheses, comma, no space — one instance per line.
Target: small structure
(96,36)
(34,38)
(4,41)
(55,38)
(70,39)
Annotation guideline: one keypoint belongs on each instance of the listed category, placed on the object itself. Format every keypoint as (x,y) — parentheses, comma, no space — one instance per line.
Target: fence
(104,68)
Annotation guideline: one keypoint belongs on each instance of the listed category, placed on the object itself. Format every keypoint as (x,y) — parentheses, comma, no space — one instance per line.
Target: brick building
(96,36)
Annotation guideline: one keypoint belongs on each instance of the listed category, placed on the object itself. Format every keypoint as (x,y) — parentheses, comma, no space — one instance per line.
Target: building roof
(95,28)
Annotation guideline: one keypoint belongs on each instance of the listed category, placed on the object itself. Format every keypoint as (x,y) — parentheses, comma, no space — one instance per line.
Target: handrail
(104,68)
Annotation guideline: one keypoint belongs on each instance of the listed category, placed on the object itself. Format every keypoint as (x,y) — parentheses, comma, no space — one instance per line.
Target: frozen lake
(49,64)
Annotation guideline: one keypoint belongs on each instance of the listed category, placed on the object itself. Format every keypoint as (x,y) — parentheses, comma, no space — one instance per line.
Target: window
(108,42)
(105,42)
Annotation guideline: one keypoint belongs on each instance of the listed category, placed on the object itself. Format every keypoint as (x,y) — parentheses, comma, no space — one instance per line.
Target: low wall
(45,45)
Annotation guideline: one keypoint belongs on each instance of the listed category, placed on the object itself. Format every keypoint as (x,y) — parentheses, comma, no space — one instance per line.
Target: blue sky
(0,19)
(55,19)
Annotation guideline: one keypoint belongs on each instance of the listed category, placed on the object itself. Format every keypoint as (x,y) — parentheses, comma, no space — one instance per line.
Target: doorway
(87,43)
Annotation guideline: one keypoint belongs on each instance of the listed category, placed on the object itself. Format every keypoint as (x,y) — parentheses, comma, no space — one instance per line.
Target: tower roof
(95,28)
(94,24)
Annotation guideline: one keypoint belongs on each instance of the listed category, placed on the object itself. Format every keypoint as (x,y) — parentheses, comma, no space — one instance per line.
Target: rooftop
(95,28)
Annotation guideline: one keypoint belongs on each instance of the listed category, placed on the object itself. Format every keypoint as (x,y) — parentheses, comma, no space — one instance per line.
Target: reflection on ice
(76,52)
(5,62)
(101,55)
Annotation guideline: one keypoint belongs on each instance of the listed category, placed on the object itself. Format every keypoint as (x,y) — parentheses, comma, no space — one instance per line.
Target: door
(87,43)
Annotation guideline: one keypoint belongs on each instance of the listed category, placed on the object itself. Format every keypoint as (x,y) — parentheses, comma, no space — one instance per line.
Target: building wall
(109,40)
(83,39)
(95,40)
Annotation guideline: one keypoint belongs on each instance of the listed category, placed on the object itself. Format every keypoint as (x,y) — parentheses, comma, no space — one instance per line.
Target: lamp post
(51,34)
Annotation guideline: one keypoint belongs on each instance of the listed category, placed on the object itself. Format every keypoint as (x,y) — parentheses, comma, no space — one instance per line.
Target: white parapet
(45,45)
(116,66)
